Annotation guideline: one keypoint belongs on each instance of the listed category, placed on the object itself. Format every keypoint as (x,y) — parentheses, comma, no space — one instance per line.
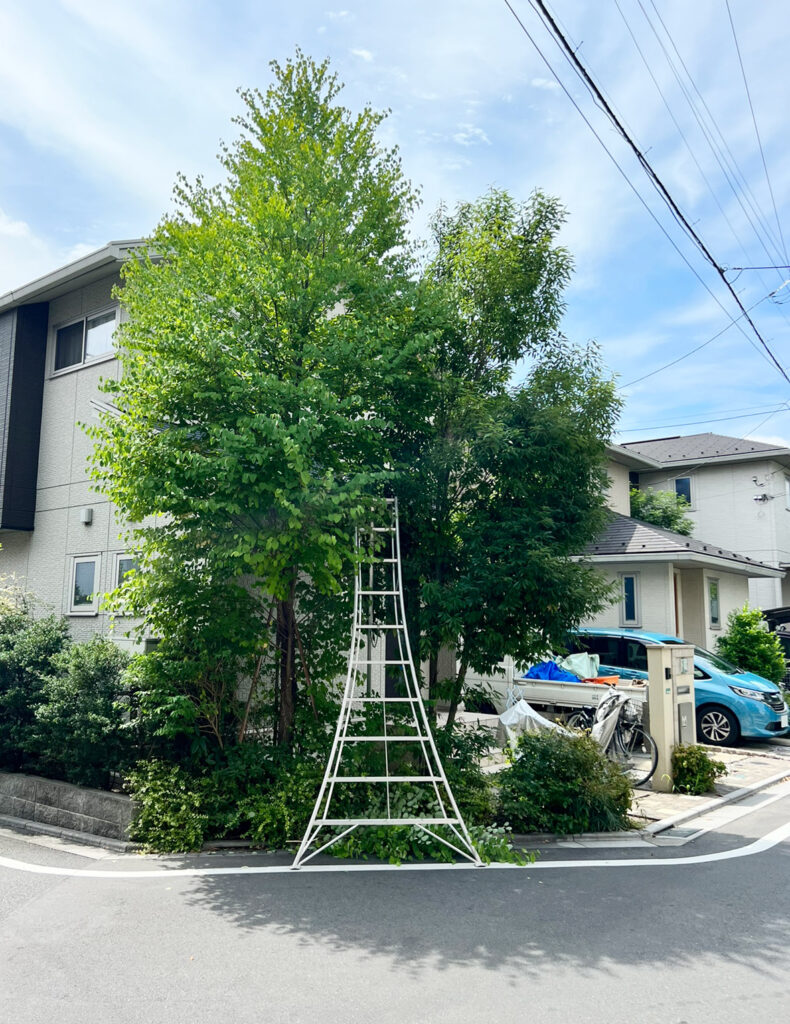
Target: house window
(787,492)
(84,599)
(84,340)
(124,565)
(714,611)
(683,487)
(629,604)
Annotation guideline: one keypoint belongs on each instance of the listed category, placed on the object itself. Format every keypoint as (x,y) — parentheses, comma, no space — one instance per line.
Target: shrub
(563,784)
(748,644)
(694,771)
(170,816)
(28,649)
(81,731)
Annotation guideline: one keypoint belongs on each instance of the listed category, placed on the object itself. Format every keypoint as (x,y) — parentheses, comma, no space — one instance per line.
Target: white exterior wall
(42,559)
(656,596)
(724,512)
(657,600)
(618,495)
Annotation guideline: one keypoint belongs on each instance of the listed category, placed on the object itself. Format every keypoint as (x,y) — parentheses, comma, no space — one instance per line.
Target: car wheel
(718,726)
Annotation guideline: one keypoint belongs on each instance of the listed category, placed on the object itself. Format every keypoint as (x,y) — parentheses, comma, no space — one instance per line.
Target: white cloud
(365,55)
(549,84)
(470,135)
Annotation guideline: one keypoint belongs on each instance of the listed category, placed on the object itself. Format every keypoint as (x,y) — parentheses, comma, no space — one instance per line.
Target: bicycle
(624,740)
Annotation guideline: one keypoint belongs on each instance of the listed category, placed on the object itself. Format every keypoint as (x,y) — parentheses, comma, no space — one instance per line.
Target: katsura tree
(244,442)
(502,486)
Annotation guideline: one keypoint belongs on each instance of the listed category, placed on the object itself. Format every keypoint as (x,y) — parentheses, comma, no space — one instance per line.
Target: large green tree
(245,443)
(502,485)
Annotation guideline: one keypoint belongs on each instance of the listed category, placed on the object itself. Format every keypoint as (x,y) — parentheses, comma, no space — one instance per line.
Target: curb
(728,798)
(68,834)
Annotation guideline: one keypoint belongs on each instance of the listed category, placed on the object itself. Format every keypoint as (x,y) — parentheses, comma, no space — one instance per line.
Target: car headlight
(751,694)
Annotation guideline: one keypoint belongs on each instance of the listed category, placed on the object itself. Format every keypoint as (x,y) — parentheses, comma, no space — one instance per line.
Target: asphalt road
(663,941)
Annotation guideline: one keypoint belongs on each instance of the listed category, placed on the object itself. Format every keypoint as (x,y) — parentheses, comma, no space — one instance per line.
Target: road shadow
(516,922)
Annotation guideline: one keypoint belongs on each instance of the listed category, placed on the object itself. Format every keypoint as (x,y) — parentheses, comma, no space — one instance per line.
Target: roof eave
(689,559)
(74,274)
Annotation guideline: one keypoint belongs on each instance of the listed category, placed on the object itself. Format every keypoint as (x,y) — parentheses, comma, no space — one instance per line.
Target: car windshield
(717,661)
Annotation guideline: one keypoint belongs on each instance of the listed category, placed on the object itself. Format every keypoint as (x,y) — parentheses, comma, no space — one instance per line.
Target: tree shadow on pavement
(516,922)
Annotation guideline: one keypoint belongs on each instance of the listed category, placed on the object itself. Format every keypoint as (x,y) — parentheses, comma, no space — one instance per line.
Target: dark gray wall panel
(23,346)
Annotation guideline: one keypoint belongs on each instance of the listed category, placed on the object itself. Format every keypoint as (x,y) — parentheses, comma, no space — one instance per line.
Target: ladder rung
(366,662)
(382,529)
(379,593)
(383,625)
(388,821)
(385,739)
(388,778)
(386,700)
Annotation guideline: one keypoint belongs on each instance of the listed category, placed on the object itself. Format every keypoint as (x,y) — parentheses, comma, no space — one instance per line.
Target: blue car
(729,703)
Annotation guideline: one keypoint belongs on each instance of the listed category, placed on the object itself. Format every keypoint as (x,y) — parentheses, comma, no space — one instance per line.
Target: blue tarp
(550,670)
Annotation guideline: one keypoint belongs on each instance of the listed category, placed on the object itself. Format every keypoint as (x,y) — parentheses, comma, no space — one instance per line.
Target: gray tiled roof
(691,447)
(627,536)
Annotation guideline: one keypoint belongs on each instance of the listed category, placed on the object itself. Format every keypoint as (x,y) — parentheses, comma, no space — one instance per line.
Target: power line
(627,180)
(694,423)
(722,156)
(774,266)
(677,125)
(756,129)
(691,352)
(658,184)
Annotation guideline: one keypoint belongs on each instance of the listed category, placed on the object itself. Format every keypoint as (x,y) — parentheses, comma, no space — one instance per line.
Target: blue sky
(103,102)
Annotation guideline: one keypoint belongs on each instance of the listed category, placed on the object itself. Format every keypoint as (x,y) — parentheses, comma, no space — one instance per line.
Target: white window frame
(690,479)
(93,607)
(116,568)
(708,581)
(91,360)
(787,491)
(637,621)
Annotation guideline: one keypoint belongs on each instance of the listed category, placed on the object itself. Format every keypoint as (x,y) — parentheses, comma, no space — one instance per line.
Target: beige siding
(42,560)
(617,497)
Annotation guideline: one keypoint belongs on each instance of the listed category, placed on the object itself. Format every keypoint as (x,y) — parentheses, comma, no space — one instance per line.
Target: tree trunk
(286,623)
(455,696)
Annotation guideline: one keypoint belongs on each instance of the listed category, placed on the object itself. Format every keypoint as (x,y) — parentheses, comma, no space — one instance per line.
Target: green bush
(748,644)
(170,816)
(249,791)
(661,508)
(694,771)
(266,794)
(398,843)
(28,650)
(563,784)
(82,732)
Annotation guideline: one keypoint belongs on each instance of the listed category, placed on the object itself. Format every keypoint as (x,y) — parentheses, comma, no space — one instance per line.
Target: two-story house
(59,539)
(666,582)
(739,496)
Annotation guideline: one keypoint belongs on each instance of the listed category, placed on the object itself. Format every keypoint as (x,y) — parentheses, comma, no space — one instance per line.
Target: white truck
(550,697)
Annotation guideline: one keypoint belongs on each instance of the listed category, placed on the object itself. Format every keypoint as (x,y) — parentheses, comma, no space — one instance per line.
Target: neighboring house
(739,496)
(59,538)
(667,583)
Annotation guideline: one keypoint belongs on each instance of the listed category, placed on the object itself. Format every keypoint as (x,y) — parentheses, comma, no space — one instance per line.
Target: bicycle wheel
(636,750)
(581,720)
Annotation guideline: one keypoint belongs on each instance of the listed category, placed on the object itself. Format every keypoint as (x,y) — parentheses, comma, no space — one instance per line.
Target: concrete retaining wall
(66,806)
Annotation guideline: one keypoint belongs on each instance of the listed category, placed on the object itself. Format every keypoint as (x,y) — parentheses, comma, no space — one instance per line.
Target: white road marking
(767,842)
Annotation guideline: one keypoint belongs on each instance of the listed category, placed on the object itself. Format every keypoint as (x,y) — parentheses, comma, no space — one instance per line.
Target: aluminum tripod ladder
(381,675)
